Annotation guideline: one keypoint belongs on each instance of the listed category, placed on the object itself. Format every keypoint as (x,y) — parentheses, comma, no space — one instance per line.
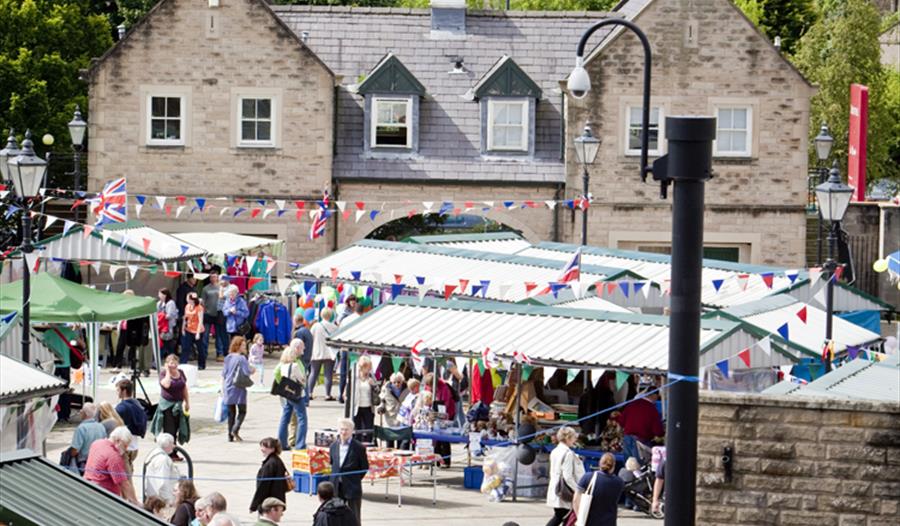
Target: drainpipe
(556,197)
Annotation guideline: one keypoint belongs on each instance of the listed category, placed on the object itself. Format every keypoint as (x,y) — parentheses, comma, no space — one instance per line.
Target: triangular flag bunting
(146,243)
(448,290)
(745,356)
(50,220)
(784,332)
(621,378)
(743,279)
(723,366)
(768,278)
(802,314)
(396,289)
(766,345)
(571,374)
(596,375)
(624,286)
(463,285)
(792,275)
(717,284)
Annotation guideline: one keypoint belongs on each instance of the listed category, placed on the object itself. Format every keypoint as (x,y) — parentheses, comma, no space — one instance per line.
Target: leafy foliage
(788,19)
(842,48)
(43,45)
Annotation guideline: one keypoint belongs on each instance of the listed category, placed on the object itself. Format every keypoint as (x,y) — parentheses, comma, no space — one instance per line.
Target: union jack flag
(489,358)
(521,357)
(571,272)
(317,229)
(109,206)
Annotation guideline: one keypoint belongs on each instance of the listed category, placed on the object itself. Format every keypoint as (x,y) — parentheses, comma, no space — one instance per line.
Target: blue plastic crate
(303,484)
(472,477)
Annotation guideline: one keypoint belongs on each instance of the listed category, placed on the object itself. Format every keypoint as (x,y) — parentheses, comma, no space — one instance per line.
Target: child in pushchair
(639,492)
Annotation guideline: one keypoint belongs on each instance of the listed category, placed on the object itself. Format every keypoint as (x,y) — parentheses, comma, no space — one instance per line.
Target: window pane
(514,137)
(157,129)
(157,107)
(390,136)
(248,108)
(634,116)
(515,114)
(724,118)
(264,108)
(264,131)
(173,107)
(500,113)
(173,129)
(248,131)
(723,141)
(653,138)
(399,113)
(654,116)
(739,119)
(384,113)
(738,141)
(634,139)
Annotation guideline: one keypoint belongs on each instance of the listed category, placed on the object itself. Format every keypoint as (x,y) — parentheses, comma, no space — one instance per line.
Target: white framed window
(734,131)
(507,125)
(633,117)
(391,123)
(256,117)
(166,119)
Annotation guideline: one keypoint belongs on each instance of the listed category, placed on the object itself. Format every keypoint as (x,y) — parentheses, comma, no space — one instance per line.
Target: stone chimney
(448,17)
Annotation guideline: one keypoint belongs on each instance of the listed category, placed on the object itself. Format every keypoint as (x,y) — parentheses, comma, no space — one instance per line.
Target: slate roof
(353,40)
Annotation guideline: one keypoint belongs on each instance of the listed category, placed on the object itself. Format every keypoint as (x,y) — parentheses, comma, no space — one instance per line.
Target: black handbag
(563,491)
(241,380)
(288,388)
(245,328)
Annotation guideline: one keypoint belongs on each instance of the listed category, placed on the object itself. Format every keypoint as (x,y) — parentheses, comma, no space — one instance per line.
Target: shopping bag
(584,505)
(220,414)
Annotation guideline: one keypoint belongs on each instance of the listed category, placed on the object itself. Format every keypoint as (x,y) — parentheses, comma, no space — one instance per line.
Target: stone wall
(798,461)
(704,53)
(211,55)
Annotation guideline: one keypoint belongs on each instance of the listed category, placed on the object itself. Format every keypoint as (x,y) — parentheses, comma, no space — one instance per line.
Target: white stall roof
(220,243)
(857,380)
(381,262)
(19,381)
(552,336)
(118,242)
(496,242)
(769,314)
(733,290)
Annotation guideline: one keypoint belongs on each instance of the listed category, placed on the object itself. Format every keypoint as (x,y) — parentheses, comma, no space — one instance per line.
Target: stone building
(390,108)
(708,59)
(210,101)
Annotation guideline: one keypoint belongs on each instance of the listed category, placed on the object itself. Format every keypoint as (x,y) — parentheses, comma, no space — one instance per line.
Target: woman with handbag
(236,373)
(322,355)
(596,500)
(272,477)
(566,470)
(290,380)
(236,312)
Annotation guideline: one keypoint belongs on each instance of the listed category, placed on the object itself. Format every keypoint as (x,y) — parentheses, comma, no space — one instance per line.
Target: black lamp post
(823,142)
(77,127)
(586,148)
(27,173)
(688,165)
(833,197)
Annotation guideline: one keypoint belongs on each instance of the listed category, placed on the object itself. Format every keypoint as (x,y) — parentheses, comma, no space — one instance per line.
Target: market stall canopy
(34,490)
(571,338)
(11,343)
(54,299)
(20,381)
(724,284)
(380,263)
(775,313)
(218,244)
(859,379)
(129,242)
(496,242)
(566,299)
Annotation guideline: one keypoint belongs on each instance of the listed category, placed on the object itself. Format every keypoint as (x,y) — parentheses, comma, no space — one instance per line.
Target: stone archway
(501,221)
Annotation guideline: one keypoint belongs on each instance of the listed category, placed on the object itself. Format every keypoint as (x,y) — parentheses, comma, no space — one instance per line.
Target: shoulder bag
(584,505)
(240,379)
(563,491)
(287,387)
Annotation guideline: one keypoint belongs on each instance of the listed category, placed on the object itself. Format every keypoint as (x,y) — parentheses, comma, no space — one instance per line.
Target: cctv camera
(579,82)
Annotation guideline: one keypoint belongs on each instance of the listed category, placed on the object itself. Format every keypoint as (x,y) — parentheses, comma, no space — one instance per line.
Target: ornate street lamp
(586,148)
(823,143)
(833,197)
(27,172)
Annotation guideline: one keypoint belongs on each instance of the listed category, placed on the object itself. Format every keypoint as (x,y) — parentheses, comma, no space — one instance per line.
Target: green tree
(788,19)
(43,45)
(839,50)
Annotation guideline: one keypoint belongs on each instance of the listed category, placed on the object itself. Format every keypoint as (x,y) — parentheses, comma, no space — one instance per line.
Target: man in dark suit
(349,456)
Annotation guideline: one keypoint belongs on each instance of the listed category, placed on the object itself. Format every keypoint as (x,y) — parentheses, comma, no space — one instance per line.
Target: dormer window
(392,96)
(508,99)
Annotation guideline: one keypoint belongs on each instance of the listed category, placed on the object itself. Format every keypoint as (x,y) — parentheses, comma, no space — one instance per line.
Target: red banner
(859,121)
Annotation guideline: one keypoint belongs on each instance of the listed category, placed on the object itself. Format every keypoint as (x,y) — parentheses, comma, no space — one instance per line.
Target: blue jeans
(221,342)
(299,408)
(190,341)
(630,448)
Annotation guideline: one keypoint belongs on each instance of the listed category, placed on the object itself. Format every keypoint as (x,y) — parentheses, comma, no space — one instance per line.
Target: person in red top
(106,464)
(640,422)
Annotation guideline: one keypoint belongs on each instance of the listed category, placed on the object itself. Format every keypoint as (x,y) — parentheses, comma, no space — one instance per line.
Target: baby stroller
(640,492)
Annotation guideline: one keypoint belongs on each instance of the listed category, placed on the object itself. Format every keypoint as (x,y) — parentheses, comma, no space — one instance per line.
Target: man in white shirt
(162,474)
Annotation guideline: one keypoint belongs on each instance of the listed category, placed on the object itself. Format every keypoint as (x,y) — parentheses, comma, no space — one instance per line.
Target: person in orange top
(192,331)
